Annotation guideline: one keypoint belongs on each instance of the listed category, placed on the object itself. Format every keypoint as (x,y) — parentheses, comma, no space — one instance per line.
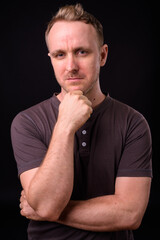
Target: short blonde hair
(76,13)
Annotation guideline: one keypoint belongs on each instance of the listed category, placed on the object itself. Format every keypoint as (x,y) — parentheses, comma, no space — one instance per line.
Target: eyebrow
(54,53)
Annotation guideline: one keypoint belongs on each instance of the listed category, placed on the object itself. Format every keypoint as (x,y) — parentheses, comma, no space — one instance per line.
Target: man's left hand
(26,210)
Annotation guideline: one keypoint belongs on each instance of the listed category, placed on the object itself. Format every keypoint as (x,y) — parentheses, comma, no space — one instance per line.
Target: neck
(95,97)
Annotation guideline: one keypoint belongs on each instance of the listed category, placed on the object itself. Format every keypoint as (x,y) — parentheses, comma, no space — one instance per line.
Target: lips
(74,79)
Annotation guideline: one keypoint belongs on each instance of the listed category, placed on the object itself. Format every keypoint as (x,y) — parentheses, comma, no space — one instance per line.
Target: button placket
(83,137)
(84,132)
(84,144)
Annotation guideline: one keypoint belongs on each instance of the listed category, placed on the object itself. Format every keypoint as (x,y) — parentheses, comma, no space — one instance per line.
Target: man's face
(75,55)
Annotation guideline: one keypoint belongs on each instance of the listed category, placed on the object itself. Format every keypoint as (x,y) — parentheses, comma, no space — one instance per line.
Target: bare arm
(49,187)
(123,210)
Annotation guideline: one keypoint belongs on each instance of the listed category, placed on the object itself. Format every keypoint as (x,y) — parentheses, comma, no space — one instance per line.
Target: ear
(104,54)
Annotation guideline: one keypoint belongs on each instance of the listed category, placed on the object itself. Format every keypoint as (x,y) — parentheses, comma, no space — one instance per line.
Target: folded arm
(123,210)
(45,189)
(48,188)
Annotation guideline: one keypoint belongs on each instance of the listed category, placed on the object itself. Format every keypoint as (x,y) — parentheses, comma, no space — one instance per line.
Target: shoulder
(123,109)
(126,113)
(37,116)
(127,119)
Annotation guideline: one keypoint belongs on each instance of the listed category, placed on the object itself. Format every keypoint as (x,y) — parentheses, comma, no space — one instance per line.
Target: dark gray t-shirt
(114,142)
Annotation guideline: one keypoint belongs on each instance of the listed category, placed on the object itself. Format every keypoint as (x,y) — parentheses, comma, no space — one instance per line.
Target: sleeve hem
(135,173)
(28,167)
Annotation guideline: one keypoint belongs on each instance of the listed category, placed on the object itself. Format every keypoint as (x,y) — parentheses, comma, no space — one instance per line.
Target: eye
(59,55)
(82,52)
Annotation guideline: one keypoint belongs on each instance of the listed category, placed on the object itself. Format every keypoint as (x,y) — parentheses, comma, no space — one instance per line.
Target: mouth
(73,79)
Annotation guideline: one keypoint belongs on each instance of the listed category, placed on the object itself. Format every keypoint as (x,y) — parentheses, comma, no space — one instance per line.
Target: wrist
(64,129)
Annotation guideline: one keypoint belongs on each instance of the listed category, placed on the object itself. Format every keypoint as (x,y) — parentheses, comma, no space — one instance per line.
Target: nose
(71,63)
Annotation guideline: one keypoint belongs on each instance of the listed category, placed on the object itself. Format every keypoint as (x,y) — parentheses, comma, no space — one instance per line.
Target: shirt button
(84,132)
(84,144)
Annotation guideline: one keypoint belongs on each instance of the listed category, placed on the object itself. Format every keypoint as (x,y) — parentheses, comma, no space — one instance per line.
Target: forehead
(72,34)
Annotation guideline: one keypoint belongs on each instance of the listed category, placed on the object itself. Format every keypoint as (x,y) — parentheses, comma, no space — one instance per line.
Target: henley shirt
(114,142)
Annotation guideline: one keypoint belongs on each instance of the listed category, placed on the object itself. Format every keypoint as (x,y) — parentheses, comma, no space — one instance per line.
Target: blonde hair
(76,13)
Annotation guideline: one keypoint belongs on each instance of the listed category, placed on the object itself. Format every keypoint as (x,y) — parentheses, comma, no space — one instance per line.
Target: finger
(22,213)
(22,199)
(91,110)
(88,102)
(23,194)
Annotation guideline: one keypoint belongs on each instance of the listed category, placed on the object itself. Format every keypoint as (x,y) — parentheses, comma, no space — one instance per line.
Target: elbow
(135,222)
(49,213)
(47,210)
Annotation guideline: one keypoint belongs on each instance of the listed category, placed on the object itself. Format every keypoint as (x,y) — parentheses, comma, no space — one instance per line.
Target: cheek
(58,69)
(93,67)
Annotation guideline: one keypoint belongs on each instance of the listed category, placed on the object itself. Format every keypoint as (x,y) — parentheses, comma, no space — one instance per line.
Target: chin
(84,89)
(75,88)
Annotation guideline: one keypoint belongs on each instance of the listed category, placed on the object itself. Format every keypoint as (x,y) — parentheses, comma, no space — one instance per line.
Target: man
(84,159)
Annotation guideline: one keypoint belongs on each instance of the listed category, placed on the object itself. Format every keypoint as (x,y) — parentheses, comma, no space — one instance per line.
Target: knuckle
(91,110)
(22,213)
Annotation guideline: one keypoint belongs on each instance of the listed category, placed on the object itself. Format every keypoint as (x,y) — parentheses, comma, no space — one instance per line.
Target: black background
(131,75)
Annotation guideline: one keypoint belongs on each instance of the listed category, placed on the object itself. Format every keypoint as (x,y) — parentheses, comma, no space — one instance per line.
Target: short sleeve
(28,147)
(136,160)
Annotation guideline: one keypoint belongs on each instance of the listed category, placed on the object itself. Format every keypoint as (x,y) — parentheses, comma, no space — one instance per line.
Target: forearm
(48,188)
(106,213)
(123,210)
(51,187)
